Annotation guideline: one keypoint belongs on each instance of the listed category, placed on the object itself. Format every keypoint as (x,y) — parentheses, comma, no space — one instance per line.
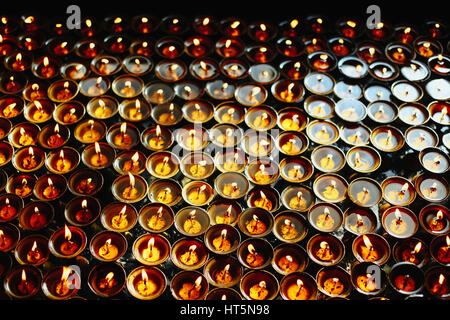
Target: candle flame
(160,211)
(29,19)
(441,279)
(202,188)
(118,20)
(132,179)
(122,211)
(263,27)
(34,247)
(135,157)
(224,297)
(289,258)
(36,210)
(439,215)
(227,267)
(359,218)
(109,277)
(97,147)
(262,284)
(405,187)
(84,204)
(224,233)
(61,154)
(288,42)
(99,80)
(367,242)
(251,249)
(50,182)
(293,23)
(447,240)
(151,243)
(46,61)
(351,24)
(235,24)
(38,105)
(123,127)
(263,196)
(324,245)
(31,152)
(198,282)
(144,276)
(205,21)
(196,41)
(67,233)
(418,247)
(192,248)
(398,215)
(299,283)
(24,275)
(88,23)
(175,21)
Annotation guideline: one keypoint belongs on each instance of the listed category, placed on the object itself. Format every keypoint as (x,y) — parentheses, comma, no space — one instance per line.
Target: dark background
(394,11)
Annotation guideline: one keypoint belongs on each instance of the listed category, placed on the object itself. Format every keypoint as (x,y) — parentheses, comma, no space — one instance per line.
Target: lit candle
(368,252)
(63,287)
(263,202)
(151,253)
(68,247)
(190,257)
(191,225)
(123,139)
(108,251)
(222,243)
(120,221)
(62,164)
(438,222)
(324,252)
(443,253)
(288,264)
(259,291)
(298,291)
(439,288)
(145,286)
(191,291)
(50,191)
(84,215)
(133,164)
(130,192)
(35,255)
(224,276)
(254,259)
(156,221)
(198,195)
(333,286)
(255,225)
(413,255)
(288,230)
(397,225)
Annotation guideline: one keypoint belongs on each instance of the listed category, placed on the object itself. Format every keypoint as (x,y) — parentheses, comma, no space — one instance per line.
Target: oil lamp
(406,278)
(222,239)
(85,182)
(322,132)
(192,137)
(400,53)
(223,271)
(263,73)
(189,285)
(82,211)
(189,254)
(12,83)
(18,61)
(325,249)
(163,164)
(322,61)
(107,280)
(325,217)
(231,185)
(157,138)
(108,246)
(413,113)
(61,283)
(155,217)
(74,70)
(98,155)
(45,67)
(328,158)
(289,227)
(439,249)
(387,139)
(224,211)
(32,250)
(130,161)
(438,89)
(23,282)
(21,185)
(129,188)
(287,91)
(67,242)
(62,161)
(11,106)
(297,198)
(255,253)
(415,71)
(9,237)
(364,192)
(36,215)
(7,45)
(436,282)
(137,65)
(256,222)
(432,188)
(197,193)
(334,281)
(298,286)
(434,219)
(102,107)
(383,70)
(259,285)
(10,207)
(127,86)
(151,250)
(368,278)
(116,44)
(192,221)
(260,53)
(94,86)
(118,217)
(62,90)
(427,47)
(292,143)
(434,160)
(330,188)
(398,191)
(229,47)
(146,283)
(165,191)
(406,91)
(371,247)
(123,135)
(35,90)
(399,222)
(198,111)
(439,64)
(205,25)
(439,112)
(296,169)
(261,118)
(412,250)
(39,111)
(289,258)
(170,70)
(7,153)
